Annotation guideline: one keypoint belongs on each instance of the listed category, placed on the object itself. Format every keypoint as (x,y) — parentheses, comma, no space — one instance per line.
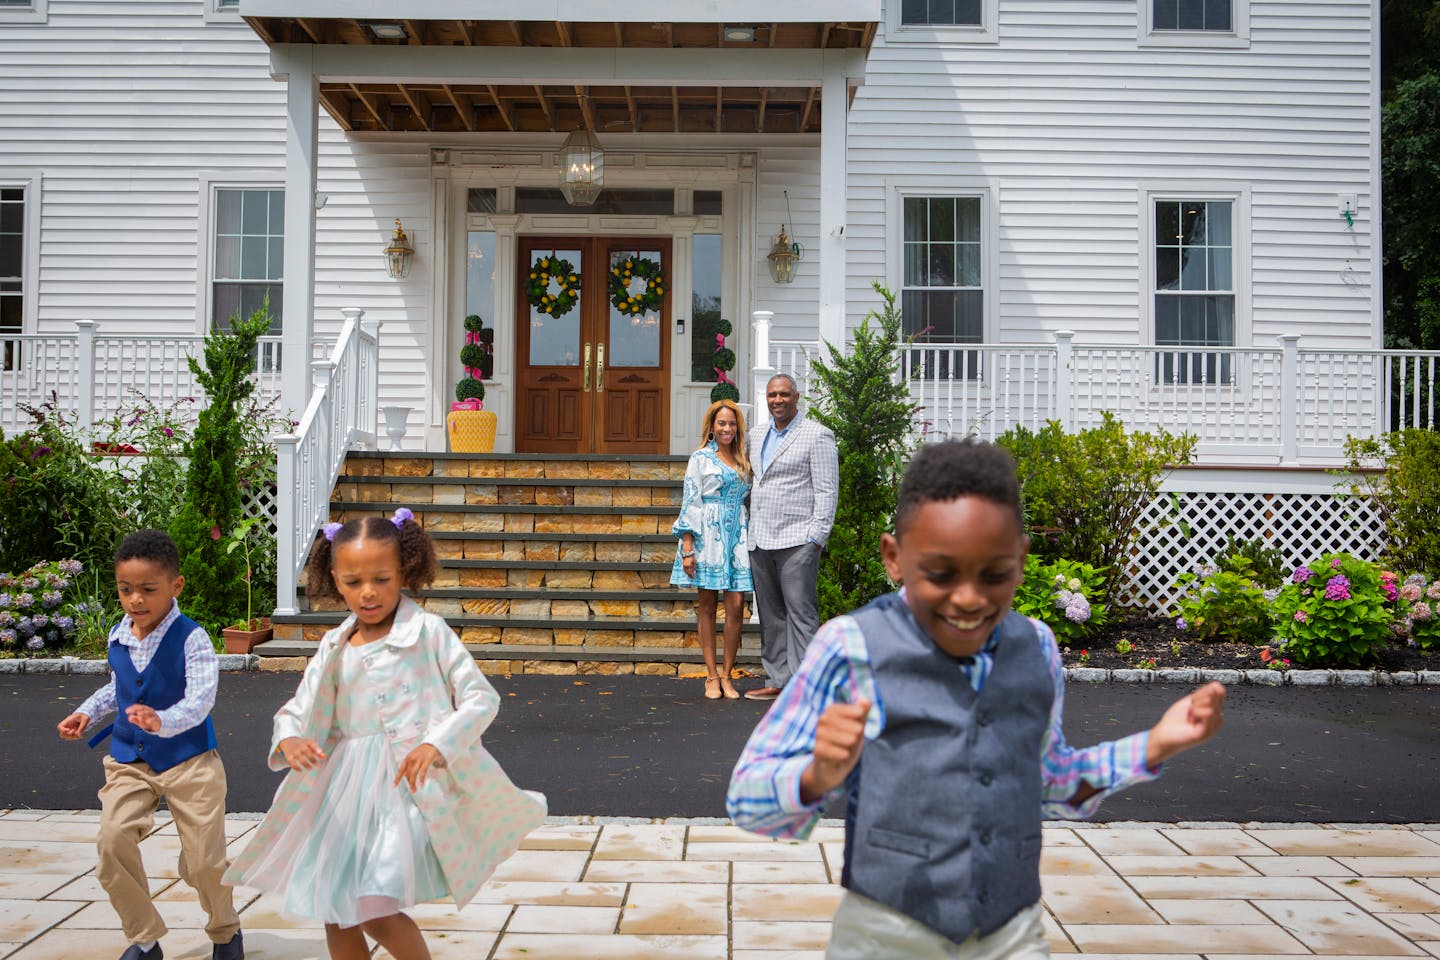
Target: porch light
(739,34)
(582,168)
(385,29)
(783,257)
(399,254)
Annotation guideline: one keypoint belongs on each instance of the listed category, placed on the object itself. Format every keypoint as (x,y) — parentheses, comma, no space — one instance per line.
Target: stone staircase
(549,563)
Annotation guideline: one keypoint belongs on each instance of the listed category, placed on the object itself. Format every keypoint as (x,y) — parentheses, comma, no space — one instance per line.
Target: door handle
(585,377)
(599,368)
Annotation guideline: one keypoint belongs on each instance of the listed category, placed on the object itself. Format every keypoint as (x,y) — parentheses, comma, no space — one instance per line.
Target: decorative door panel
(593,345)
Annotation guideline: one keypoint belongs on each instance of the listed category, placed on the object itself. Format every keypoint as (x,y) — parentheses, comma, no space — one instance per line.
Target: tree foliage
(866,404)
(1410,169)
(215,580)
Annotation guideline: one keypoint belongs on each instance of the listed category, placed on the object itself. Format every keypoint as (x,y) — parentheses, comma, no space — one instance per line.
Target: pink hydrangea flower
(1337,588)
(1421,611)
(1301,616)
(1410,592)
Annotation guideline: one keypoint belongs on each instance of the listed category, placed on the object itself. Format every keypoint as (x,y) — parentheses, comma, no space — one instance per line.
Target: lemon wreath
(537,288)
(648,299)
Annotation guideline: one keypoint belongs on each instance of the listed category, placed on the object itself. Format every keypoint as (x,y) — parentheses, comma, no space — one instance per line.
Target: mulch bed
(1156,639)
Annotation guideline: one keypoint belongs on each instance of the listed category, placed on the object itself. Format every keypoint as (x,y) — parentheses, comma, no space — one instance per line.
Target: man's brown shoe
(762,693)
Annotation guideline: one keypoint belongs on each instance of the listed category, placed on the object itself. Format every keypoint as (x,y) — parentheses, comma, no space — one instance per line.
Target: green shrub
(1252,559)
(215,579)
(1065,595)
(867,405)
(1225,604)
(1085,492)
(1406,493)
(1332,612)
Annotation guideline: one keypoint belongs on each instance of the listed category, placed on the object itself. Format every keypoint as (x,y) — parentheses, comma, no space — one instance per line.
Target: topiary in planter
(723,361)
(478,357)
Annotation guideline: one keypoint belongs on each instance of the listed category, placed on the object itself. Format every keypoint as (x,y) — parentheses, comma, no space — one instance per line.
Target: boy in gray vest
(938,709)
(163,674)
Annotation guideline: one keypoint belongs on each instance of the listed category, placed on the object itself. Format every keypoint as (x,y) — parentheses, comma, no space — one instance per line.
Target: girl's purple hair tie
(401,516)
(330,529)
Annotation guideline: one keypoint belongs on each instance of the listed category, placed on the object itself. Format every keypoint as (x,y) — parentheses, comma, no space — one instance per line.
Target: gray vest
(943,821)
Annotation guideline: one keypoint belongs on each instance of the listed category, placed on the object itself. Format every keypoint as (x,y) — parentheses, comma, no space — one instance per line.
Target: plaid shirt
(804,468)
(764,792)
(202,675)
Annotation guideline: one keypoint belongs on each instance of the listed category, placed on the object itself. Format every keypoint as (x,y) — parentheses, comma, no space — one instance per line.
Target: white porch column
(302,98)
(1289,397)
(834,94)
(761,371)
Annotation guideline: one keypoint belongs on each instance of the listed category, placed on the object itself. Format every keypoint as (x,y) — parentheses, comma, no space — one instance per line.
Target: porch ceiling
(415,106)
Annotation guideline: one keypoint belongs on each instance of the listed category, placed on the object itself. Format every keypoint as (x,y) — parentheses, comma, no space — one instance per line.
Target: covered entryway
(592,366)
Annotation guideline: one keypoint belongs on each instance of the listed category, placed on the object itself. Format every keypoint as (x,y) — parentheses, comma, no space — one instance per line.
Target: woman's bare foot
(712,688)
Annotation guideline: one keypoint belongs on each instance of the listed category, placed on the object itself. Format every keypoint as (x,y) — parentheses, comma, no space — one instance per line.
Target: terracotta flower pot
(241,639)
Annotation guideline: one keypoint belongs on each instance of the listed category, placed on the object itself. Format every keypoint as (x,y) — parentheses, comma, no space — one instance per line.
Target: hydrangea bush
(34,613)
(1417,610)
(1063,594)
(1225,604)
(1333,612)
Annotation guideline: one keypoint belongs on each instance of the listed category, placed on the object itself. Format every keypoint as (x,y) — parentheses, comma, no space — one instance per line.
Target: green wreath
(537,287)
(645,301)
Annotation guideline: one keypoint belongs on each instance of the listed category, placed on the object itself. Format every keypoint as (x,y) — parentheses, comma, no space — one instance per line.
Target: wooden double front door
(595,379)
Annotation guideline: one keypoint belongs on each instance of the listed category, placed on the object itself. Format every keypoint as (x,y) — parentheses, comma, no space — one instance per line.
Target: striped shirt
(202,675)
(764,792)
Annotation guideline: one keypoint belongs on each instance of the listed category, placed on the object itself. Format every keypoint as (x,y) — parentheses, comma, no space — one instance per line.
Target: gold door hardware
(585,377)
(599,368)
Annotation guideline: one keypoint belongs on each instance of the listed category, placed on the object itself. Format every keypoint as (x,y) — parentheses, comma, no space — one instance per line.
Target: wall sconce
(783,256)
(582,168)
(399,254)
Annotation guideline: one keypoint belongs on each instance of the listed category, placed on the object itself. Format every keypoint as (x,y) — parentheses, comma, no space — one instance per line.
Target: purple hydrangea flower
(7,637)
(1078,610)
(1335,564)
(1181,625)
(7,619)
(29,583)
(1271,594)
(24,600)
(1337,588)
(66,625)
(50,599)
(35,643)
(70,567)
(1301,616)
(24,626)
(1301,574)
(39,621)
(6,600)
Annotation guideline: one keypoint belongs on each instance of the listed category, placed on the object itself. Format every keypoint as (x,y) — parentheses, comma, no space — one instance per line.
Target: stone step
(527,465)
(509,490)
(497,658)
(544,632)
(519,517)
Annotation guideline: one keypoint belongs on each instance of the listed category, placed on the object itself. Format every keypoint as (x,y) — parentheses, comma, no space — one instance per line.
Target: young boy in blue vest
(938,708)
(163,674)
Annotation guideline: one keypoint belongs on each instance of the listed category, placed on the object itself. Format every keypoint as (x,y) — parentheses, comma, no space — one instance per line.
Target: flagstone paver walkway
(707,891)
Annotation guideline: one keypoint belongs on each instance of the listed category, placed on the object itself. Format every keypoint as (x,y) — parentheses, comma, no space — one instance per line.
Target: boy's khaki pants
(195,792)
(866,930)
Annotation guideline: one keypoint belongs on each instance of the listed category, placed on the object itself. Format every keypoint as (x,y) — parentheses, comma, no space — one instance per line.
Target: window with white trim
(1194,295)
(941,21)
(249,262)
(24,11)
(1224,23)
(947,13)
(12,269)
(1192,15)
(942,292)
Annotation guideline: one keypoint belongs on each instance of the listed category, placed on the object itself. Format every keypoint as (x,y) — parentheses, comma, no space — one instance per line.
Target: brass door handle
(599,368)
(585,377)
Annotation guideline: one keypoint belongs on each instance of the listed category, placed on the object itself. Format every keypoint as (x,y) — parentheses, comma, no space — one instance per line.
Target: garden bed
(1157,639)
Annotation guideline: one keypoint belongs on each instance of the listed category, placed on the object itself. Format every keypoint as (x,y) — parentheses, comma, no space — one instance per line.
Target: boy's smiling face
(960,561)
(147,590)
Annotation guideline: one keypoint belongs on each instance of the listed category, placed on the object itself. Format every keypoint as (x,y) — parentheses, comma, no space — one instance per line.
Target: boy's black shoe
(133,952)
(234,950)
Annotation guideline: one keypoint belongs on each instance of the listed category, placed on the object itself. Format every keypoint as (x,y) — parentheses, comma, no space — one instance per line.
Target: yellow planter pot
(472,431)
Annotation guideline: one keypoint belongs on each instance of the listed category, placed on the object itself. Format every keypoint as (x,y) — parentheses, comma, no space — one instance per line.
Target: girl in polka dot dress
(390,799)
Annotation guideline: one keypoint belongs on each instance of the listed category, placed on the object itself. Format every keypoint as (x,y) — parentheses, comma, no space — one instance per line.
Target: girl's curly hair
(418,562)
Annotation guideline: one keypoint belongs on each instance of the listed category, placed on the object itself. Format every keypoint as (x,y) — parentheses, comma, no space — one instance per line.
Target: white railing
(90,377)
(340,416)
(1275,405)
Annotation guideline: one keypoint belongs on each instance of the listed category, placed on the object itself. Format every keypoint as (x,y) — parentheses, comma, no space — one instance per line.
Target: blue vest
(161,684)
(943,820)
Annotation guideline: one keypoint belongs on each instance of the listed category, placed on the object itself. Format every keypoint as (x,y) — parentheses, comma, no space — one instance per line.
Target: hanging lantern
(582,168)
(783,257)
(399,254)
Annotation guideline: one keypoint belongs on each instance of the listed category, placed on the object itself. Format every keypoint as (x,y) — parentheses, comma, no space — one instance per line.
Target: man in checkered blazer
(792,508)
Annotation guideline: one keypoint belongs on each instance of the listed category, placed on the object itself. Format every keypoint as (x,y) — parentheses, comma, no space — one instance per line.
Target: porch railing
(91,376)
(1279,405)
(340,416)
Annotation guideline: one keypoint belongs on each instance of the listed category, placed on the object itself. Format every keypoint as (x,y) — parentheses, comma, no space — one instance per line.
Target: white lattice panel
(1181,531)
(259,501)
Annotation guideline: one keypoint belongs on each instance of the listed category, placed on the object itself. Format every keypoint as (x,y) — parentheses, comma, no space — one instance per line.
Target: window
(942,294)
(249,254)
(706,274)
(23,11)
(949,13)
(941,21)
(12,267)
(1202,23)
(644,202)
(1194,288)
(222,11)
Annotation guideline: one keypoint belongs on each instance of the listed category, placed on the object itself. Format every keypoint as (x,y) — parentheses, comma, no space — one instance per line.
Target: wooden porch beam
(467,113)
(261,28)
(619,35)
(774,29)
(416,31)
(562,29)
(805,114)
(340,112)
(586,109)
(515,32)
(868,37)
(825,36)
(382,121)
(760,117)
(421,113)
(500,105)
(719,107)
(634,112)
(545,107)
(670,35)
(675,107)
(309,31)
(464,27)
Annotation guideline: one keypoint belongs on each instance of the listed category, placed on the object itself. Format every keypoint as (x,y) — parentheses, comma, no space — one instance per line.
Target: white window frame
(30,182)
(1238,195)
(36,11)
(211,182)
(1238,36)
(985,32)
(214,13)
(899,189)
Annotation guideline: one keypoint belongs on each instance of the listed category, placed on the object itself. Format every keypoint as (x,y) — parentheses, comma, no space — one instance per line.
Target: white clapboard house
(1163,208)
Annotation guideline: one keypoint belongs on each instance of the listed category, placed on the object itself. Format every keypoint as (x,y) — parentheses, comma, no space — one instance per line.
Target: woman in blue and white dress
(713,527)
